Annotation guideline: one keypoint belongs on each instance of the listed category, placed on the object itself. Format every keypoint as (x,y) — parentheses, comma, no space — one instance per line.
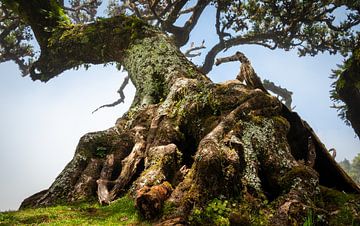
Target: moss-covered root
(207,154)
(301,188)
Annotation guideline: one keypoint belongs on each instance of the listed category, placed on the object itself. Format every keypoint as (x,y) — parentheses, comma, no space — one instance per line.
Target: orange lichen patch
(149,200)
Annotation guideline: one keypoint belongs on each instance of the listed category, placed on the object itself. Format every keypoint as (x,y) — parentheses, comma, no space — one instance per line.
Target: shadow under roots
(188,145)
(268,188)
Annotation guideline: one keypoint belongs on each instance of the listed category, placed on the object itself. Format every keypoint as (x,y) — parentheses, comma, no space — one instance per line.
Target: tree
(346,90)
(353,169)
(346,165)
(186,141)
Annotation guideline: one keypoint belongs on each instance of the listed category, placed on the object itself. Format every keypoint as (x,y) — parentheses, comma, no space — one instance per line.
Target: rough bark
(204,141)
(186,142)
(348,88)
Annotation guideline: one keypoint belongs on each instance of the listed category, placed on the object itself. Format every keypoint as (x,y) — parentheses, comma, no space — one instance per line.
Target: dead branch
(247,72)
(120,92)
(188,53)
(286,95)
(333,150)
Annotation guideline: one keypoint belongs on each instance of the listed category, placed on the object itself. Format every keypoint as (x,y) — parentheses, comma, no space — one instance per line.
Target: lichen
(150,68)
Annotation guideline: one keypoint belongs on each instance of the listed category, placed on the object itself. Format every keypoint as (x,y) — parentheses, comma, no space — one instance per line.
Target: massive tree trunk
(186,142)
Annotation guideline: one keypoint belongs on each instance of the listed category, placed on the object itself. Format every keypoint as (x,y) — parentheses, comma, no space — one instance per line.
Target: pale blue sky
(40,124)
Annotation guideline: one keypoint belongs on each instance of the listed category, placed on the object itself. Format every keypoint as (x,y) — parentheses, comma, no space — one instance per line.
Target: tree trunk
(187,143)
(348,88)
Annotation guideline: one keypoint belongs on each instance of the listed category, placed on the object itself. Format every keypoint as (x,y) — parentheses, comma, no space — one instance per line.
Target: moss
(333,198)
(169,208)
(215,213)
(282,122)
(231,212)
(101,152)
(153,62)
(257,119)
(300,172)
(120,212)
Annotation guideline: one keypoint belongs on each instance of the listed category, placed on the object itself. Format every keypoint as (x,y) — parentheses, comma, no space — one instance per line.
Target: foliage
(215,213)
(353,168)
(309,221)
(345,92)
(120,212)
(82,11)
(309,26)
(338,104)
(344,206)
(101,152)
(14,40)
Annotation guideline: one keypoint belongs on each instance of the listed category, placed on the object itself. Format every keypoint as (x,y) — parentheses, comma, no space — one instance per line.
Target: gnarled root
(219,145)
(149,200)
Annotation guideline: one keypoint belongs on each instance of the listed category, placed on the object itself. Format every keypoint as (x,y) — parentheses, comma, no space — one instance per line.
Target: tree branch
(278,90)
(247,72)
(120,92)
(194,48)
(182,33)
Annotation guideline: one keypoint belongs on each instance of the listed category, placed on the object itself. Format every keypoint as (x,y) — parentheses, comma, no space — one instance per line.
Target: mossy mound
(119,212)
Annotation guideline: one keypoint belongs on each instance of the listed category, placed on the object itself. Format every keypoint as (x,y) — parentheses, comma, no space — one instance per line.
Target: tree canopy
(309,26)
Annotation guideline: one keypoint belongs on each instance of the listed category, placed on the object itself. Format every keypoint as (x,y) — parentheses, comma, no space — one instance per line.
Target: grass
(120,212)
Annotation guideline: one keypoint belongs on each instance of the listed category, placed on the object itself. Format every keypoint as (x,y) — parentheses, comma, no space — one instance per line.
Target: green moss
(231,212)
(215,213)
(300,172)
(257,119)
(281,121)
(343,206)
(334,198)
(120,212)
(58,13)
(101,152)
(169,208)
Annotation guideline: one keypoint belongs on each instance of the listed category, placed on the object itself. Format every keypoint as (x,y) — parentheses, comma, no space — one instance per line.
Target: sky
(41,123)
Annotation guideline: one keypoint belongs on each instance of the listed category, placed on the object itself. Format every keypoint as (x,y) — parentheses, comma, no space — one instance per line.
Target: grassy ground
(120,212)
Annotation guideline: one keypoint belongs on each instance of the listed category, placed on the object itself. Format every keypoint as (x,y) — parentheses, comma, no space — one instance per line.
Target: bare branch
(120,92)
(247,72)
(194,48)
(182,33)
(333,151)
(285,94)
(258,39)
(186,11)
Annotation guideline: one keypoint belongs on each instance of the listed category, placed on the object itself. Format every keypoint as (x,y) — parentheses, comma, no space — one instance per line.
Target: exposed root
(149,200)
(202,144)
(129,167)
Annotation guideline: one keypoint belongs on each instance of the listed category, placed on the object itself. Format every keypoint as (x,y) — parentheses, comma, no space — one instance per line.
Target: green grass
(120,212)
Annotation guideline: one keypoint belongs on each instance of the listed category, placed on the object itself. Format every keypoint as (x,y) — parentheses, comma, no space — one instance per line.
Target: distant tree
(346,165)
(355,169)
(185,140)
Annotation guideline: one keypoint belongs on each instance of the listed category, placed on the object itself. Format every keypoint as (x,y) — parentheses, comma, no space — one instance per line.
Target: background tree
(353,168)
(186,140)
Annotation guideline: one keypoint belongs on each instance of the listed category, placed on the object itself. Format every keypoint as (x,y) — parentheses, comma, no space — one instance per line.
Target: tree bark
(186,142)
(348,88)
